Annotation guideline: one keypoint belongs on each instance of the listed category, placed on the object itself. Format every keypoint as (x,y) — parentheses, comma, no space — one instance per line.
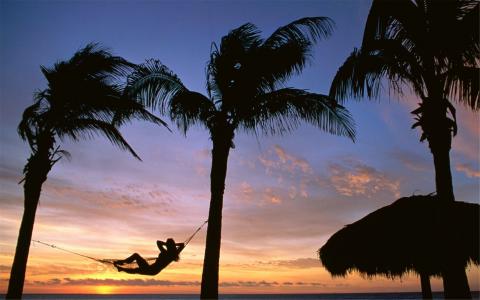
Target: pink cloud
(468,170)
(467,142)
(298,263)
(290,170)
(360,179)
(271,197)
(281,160)
(292,162)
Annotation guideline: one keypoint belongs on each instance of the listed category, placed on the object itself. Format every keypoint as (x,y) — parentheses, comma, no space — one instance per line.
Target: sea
(356,296)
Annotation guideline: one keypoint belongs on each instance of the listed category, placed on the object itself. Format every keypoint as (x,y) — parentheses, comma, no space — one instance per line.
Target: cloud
(241,283)
(155,282)
(271,197)
(129,196)
(58,269)
(9,173)
(299,263)
(292,162)
(50,282)
(113,282)
(468,170)
(291,171)
(4,268)
(246,191)
(412,160)
(279,160)
(359,179)
(203,154)
(303,283)
(466,143)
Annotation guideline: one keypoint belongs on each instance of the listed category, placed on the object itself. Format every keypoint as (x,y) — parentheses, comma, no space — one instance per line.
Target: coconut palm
(82,99)
(432,47)
(245,91)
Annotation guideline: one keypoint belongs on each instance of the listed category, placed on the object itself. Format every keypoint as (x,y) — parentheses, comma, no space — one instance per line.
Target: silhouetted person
(166,256)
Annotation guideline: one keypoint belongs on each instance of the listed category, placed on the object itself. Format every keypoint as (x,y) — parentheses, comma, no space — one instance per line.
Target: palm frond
(276,65)
(388,18)
(362,72)
(240,40)
(470,33)
(159,88)
(231,60)
(462,85)
(77,129)
(283,110)
(306,29)
(129,110)
(246,66)
(188,108)
(95,61)
(153,84)
(287,51)
(26,127)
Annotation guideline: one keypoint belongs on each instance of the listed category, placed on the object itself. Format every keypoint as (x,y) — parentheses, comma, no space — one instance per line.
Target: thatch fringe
(417,233)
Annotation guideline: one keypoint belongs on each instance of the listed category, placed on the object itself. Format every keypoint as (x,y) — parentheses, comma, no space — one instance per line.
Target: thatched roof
(418,233)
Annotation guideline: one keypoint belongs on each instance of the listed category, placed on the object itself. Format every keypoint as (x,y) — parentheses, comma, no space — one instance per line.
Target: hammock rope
(196,231)
(110,261)
(75,253)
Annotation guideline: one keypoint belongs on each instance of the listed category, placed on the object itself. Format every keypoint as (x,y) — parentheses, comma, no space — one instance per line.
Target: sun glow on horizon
(105,289)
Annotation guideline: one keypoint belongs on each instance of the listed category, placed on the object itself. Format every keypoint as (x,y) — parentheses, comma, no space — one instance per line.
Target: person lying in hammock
(166,256)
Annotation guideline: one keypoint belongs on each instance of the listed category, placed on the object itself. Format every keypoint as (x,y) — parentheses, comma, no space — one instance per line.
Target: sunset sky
(285,195)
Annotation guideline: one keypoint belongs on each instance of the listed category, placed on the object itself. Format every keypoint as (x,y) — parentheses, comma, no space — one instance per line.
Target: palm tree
(82,99)
(433,48)
(245,90)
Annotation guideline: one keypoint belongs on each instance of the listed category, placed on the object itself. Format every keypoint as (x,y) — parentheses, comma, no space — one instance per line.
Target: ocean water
(357,296)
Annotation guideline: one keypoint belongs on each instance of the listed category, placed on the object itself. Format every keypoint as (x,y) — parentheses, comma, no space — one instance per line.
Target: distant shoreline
(306,296)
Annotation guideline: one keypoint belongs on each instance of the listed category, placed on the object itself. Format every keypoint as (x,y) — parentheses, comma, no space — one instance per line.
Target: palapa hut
(419,233)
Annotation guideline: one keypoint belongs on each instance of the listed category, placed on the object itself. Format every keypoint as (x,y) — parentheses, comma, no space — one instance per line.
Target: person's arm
(180,246)
(161,246)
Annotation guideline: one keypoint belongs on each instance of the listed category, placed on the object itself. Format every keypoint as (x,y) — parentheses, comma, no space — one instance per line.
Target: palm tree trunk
(220,152)
(32,189)
(426,287)
(443,174)
(37,168)
(455,282)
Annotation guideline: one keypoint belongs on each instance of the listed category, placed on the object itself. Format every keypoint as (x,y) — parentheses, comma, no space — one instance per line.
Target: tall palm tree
(82,99)
(432,47)
(245,90)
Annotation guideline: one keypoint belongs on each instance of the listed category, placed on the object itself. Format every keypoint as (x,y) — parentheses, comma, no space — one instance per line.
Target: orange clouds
(291,162)
(468,170)
(279,160)
(359,179)
(467,142)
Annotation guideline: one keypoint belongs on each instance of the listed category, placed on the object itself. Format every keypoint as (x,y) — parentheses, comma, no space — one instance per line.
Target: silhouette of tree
(433,47)
(82,100)
(245,90)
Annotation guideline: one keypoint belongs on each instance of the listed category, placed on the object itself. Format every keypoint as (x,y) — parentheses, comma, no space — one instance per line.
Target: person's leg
(127,270)
(130,259)
(135,257)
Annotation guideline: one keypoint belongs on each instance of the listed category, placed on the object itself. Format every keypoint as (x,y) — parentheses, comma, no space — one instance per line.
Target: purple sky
(284,195)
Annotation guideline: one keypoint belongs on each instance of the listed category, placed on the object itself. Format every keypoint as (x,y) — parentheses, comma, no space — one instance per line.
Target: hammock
(110,261)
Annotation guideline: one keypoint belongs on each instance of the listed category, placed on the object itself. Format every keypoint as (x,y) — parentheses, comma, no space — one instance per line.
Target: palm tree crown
(433,46)
(83,98)
(245,84)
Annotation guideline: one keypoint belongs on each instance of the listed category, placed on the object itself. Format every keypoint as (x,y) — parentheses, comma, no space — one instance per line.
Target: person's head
(172,248)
